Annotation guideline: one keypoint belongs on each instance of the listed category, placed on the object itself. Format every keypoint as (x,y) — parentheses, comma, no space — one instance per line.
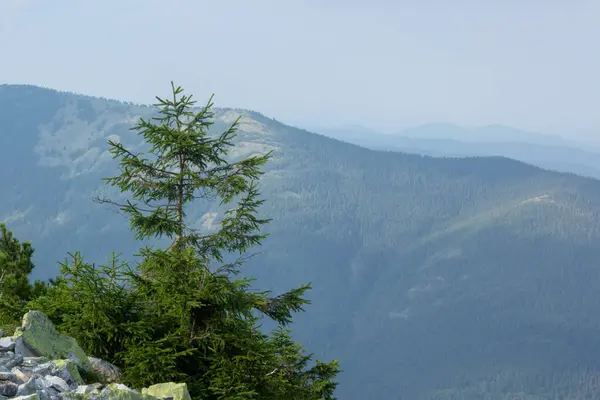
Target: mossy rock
(65,369)
(34,396)
(114,391)
(38,337)
(177,391)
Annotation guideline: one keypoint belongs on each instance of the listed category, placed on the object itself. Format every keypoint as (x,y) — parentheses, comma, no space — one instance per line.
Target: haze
(388,65)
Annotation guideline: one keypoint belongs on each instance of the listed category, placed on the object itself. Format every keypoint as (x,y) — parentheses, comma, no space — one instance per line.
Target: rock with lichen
(37,337)
(39,363)
(176,391)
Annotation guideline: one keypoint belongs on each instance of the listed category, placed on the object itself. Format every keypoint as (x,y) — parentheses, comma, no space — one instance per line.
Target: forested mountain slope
(433,278)
(452,141)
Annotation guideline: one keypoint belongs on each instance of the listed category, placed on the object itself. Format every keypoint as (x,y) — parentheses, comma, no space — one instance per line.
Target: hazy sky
(534,64)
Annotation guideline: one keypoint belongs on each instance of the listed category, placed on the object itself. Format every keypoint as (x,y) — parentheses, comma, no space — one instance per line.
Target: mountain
(486,134)
(434,278)
(578,158)
(352,134)
(495,133)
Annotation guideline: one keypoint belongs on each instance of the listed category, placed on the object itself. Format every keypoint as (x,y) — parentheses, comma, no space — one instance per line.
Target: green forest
(430,277)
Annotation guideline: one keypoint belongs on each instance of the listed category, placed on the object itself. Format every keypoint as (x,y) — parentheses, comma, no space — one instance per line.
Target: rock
(8,376)
(20,375)
(57,383)
(39,363)
(37,336)
(28,397)
(176,391)
(119,391)
(29,387)
(8,360)
(77,396)
(27,366)
(44,388)
(22,349)
(8,389)
(105,371)
(65,369)
(34,361)
(93,388)
(45,395)
(7,343)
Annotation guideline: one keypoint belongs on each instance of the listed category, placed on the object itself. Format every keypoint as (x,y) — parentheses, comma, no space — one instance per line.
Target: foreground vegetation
(182,313)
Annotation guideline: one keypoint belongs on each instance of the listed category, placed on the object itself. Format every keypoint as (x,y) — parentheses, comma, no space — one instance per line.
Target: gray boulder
(7,344)
(37,336)
(105,371)
(39,363)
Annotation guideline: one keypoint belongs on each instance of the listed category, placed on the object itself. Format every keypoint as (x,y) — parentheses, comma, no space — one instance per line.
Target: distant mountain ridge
(434,278)
(446,140)
(491,133)
(494,133)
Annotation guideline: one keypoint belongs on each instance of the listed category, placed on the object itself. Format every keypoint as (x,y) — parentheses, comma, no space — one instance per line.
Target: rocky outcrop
(37,337)
(39,363)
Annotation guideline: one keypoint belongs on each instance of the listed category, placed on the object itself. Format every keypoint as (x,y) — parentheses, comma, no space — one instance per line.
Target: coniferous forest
(251,259)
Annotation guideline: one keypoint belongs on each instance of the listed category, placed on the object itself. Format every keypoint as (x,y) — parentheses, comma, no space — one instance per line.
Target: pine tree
(184,313)
(15,266)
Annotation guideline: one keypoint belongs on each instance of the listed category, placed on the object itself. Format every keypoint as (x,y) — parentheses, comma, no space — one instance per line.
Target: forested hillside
(433,278)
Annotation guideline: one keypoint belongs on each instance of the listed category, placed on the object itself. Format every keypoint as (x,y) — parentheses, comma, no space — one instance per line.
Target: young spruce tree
(15,288)
(183,313)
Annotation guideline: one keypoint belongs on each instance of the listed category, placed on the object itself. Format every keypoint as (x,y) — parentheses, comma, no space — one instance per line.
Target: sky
(388,65)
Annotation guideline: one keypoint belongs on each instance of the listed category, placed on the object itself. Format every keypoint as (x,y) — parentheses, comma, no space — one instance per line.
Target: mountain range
(433,278)
(447,140)
(495,133)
